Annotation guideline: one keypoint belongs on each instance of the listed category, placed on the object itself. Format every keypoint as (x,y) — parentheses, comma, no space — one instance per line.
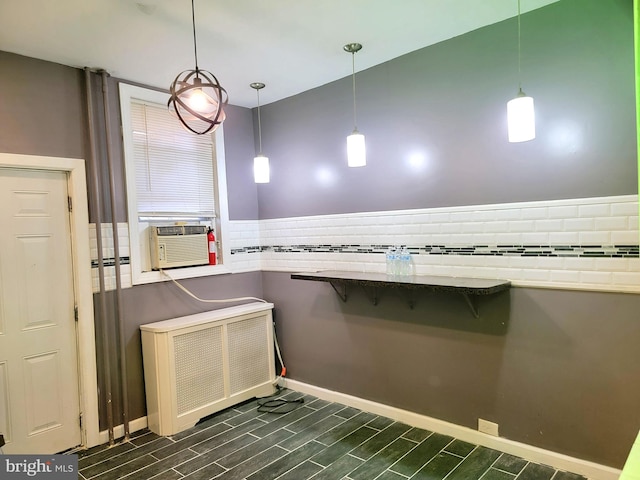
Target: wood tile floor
(319,440)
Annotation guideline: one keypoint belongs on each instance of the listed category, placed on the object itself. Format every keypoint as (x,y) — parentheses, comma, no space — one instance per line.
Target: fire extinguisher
(211,240)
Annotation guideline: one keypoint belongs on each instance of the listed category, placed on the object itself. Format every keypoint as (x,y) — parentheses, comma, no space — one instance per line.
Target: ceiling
(290,45)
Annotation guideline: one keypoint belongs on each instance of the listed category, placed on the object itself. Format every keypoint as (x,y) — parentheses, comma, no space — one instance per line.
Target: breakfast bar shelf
(469,288)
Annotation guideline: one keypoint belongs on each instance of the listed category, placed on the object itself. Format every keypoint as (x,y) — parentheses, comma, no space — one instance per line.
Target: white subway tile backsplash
(594,238)
(549,225)
(594,210)
(564,211)
(578,224)
(612,223)
(626,209)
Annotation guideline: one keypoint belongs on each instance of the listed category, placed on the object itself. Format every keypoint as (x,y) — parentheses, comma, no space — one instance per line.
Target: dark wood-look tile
(103,453)
(389,475)
(315,417)
(348,412)
(254,448)
(205,473)
(476,463)
(417,434)
(380,440)
(460,448)
(380,423)
(345,428)
(168,475)
(345,445)
(339,469)
(190,441)
(438,467)
(253,464)
(568,476)
(243,417)
(420,455)
(534,471)
(146,438)
(493,474)
(510,464)
(302,472)
(318,403)
(383,459)
(161,465)
(227,436)
(311,433)
(287,462)
(217,453)
(125,469)
(276,423)
(125,457)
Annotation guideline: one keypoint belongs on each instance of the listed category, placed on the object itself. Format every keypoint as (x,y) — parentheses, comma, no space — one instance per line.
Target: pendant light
(197,98)
(260,162)
(521,121)
(356,152)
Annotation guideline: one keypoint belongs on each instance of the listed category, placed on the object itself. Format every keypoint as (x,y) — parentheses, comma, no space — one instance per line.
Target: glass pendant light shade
(521,119)
(261,169)
(261,172)
(356,151)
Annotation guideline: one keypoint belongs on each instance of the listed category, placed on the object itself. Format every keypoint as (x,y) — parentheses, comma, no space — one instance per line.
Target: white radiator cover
(200,364)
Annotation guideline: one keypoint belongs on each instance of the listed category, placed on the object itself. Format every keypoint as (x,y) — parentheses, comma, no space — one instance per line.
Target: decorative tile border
(590,251)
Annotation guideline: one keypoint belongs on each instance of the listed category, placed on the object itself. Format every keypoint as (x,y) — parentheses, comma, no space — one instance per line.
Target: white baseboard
(558,461)
(118,431)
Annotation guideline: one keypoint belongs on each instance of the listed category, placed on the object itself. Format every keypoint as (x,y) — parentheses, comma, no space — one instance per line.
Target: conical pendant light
(521,122)
(356,152)
(260,162)
(197,98)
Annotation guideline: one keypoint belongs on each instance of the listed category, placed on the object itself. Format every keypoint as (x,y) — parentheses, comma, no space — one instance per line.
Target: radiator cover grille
(203,363)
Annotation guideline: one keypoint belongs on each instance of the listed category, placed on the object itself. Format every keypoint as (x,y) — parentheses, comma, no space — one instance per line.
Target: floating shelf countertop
(461,285)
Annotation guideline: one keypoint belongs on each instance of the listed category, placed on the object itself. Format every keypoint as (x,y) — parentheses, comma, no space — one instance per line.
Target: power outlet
(488,427)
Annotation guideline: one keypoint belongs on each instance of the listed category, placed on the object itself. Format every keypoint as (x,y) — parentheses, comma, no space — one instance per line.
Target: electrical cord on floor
(277,405)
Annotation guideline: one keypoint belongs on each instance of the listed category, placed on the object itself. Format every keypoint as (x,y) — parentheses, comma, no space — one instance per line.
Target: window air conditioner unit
(179,246)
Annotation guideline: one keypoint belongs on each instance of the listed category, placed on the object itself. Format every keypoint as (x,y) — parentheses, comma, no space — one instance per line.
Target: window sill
(181,273)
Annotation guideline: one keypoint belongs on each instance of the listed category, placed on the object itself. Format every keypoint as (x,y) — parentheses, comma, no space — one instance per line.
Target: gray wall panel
(555,369)
(435,121)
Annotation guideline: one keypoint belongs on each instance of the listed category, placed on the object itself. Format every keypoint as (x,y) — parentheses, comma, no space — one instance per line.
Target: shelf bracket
(373,296)
(472,305)
(342,292)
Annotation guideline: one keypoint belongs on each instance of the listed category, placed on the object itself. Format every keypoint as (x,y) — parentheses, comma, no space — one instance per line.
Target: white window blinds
(174,172)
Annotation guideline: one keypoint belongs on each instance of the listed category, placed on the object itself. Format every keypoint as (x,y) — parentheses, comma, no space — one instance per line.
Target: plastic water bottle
(390,256)
(405,262)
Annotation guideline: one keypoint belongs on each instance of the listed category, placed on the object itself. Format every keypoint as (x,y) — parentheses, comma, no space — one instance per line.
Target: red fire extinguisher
(211,240)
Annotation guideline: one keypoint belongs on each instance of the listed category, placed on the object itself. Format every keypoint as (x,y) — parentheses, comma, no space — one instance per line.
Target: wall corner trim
(556,460)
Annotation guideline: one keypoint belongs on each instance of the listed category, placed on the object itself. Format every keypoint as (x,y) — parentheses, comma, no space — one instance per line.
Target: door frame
(82,282)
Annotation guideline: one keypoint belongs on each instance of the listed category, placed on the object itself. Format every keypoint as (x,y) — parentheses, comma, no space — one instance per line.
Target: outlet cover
(488,427)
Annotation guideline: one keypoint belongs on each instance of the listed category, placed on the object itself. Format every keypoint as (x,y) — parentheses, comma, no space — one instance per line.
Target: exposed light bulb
(199,101)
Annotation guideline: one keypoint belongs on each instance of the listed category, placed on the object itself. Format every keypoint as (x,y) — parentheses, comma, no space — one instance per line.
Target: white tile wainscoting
(589,244)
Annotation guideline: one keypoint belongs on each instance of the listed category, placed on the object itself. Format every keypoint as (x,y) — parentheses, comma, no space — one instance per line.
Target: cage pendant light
(197,98)
(356,152)
(260,162)
(521,122)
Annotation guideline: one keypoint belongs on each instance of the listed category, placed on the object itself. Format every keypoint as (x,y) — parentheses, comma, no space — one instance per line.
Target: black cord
(273,405)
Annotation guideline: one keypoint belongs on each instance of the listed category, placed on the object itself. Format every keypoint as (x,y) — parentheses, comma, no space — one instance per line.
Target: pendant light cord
(353,76)
(259,123)
(519,54)
(195,44)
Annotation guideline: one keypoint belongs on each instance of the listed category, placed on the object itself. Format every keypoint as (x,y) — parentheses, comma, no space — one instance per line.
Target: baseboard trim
(558,461)
(118,431)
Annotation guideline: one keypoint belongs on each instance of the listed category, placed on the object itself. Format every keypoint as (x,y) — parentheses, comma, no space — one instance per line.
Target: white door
(39,397)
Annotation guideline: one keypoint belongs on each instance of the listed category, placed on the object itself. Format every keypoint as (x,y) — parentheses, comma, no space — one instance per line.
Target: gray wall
(448,103)
(43,112)
(555,369)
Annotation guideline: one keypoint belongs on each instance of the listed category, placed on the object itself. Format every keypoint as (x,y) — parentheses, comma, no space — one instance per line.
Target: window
(173,177)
